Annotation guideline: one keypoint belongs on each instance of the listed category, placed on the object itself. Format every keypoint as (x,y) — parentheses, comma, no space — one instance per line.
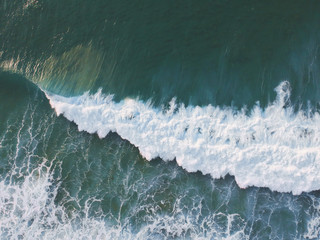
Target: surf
(274,147)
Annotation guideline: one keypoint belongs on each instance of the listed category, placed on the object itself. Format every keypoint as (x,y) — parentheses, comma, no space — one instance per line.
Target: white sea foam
(28,211)
(273,147)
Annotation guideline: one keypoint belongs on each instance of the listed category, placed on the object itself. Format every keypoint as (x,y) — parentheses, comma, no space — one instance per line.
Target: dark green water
(57,182)
(218,52)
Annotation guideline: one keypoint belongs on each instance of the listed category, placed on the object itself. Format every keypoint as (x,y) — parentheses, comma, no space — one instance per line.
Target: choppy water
(159,120)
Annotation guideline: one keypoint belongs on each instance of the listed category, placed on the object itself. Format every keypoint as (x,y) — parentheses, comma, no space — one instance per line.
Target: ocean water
(159,119)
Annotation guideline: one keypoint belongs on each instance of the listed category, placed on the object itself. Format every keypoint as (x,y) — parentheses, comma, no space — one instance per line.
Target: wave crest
(273,147)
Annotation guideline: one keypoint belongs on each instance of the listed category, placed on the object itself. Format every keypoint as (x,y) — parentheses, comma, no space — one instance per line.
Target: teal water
(57,182)
(219,52)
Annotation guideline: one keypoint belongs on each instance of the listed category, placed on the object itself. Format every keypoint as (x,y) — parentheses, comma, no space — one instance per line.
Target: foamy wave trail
(28,211)
(274,147)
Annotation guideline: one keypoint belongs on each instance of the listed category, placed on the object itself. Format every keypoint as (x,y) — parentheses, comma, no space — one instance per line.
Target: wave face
(272,147)
(163,50)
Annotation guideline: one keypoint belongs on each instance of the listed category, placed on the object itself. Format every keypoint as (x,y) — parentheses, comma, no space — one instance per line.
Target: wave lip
(273,147)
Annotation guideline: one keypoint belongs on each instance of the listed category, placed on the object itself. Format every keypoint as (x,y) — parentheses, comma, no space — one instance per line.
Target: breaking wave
(275,147)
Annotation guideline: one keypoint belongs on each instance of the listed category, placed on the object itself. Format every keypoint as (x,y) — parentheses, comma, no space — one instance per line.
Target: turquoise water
(210,164)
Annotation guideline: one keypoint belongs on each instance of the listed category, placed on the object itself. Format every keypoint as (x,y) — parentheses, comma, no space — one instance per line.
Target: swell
(274,147)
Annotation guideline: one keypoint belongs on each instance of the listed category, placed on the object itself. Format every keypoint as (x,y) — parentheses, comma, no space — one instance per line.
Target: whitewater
(274,147)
